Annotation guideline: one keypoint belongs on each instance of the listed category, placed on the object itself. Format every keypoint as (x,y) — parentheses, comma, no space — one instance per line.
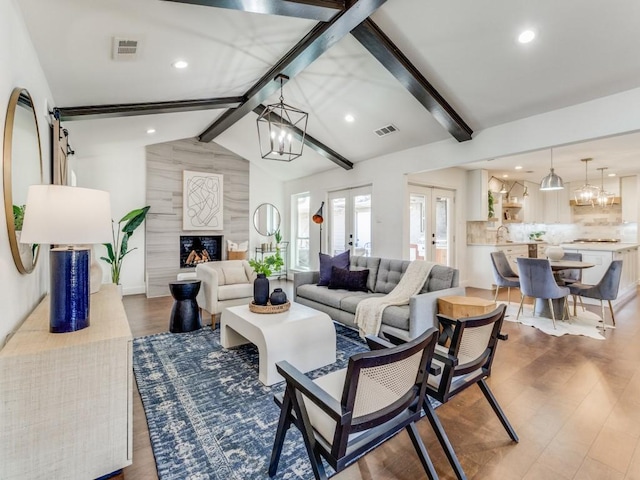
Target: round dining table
(541,305)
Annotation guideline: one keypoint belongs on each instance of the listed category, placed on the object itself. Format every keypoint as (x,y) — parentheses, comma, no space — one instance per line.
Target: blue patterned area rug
(209,416)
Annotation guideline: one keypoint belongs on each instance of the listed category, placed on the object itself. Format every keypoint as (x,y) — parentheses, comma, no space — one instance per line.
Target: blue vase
(261,290)
(278,297)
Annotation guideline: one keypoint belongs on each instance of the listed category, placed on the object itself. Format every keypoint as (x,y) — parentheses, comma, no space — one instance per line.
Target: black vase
(278,297)
(261,290)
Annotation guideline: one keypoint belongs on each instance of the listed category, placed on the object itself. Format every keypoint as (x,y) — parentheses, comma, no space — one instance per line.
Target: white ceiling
(466,49)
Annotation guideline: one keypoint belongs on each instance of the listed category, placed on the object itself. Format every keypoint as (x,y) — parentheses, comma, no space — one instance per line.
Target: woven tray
(268,308)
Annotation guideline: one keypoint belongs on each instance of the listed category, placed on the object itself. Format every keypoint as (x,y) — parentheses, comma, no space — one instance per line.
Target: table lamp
(67,216)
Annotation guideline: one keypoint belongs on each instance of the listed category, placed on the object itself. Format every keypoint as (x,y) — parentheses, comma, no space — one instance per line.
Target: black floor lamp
(318,218)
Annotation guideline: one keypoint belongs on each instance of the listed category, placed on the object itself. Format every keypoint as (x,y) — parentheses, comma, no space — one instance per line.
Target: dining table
(541,305)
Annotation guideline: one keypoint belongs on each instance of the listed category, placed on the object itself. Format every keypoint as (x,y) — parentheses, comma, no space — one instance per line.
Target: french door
(350,221)
(431,224)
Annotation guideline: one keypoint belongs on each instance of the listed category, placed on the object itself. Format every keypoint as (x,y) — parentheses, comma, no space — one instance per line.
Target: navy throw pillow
(327,261)
(352,280)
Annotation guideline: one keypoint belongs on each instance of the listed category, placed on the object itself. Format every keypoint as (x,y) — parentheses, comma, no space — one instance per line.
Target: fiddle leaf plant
(268,264)
(119,248)
(18,217)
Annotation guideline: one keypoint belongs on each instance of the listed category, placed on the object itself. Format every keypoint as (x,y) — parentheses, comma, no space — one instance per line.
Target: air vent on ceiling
(124,48)
(386,130)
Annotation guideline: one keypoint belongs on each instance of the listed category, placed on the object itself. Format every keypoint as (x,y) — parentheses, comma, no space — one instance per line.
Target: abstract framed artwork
(202,201)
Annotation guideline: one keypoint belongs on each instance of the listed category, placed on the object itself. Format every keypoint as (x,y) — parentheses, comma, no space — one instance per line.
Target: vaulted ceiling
(467,50)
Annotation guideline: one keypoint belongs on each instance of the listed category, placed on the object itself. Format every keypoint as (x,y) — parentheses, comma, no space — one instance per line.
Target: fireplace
(195,249)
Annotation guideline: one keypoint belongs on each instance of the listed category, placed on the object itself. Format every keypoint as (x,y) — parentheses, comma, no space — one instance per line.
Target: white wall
(265,188)
(19,67)
(388,174)
(122,172)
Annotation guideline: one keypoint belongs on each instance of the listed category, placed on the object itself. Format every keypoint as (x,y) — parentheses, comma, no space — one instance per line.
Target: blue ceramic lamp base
(69,290)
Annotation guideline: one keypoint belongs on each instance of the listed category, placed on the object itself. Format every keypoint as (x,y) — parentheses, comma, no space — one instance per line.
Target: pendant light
(586,194)
(604,198)
(551,181)
(281,129)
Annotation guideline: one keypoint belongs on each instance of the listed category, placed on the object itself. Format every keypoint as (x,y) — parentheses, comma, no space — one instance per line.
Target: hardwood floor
(574,402)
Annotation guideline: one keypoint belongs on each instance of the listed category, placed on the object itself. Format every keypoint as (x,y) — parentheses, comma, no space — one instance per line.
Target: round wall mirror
(22,168)
(266,219)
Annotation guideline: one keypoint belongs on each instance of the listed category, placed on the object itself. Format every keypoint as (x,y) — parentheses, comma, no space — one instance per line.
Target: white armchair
(224,284)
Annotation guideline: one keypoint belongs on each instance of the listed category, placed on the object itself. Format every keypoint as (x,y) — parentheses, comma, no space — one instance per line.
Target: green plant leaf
(135,217)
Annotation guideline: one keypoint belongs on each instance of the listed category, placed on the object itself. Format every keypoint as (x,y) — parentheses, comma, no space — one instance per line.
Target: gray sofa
(405,321)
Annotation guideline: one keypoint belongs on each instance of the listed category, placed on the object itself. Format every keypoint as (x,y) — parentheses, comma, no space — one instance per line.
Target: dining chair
(605,289)
(571,275)
(503,274)
(537,281)
(346,413)
(467,361)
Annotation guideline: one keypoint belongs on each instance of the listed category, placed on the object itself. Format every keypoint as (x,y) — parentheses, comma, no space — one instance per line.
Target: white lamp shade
(62,215)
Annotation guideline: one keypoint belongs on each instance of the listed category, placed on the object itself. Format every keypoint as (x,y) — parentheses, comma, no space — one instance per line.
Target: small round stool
(185,314)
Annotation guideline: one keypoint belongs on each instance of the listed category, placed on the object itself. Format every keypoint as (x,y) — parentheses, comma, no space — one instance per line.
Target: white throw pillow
(234,274)
(243,246)
(232,246)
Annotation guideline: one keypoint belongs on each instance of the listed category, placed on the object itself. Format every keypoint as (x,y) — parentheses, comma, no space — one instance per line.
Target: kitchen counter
(599,246)
(505,244)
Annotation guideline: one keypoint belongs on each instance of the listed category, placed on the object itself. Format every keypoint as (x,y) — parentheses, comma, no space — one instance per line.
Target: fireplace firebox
(195,249)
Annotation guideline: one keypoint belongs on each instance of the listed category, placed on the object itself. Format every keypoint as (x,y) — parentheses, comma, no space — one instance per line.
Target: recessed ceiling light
(611,175)
(526,36)
(349,118)
(505,176)
(518,167)
(151,130)
(180,64)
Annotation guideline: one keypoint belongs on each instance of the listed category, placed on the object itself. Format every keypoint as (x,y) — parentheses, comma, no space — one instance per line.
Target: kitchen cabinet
(629,198)
(556,205)
(532,211)
(477,195)
(479,269)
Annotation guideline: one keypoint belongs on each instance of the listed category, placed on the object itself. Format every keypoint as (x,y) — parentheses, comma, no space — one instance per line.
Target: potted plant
(18,217)
(119,248)
(264,268)
(278,238)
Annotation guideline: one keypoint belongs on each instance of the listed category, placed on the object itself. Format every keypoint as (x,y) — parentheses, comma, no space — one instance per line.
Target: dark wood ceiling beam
(148,108)
(320,39)
(311,142)
(319,10)
(389,55)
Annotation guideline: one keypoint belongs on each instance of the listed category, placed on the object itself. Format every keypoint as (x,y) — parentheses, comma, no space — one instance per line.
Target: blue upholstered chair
(503,274)
(606,289)
(572,275)
(537,281)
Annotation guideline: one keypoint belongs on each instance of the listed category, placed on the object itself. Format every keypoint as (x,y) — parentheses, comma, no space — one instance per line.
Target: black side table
(185,314)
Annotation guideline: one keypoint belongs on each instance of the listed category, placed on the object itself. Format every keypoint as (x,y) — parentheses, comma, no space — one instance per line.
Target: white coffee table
(304,337)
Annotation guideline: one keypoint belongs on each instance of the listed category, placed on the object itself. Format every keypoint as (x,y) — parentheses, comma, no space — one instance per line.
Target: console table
(67,397)
(284,246)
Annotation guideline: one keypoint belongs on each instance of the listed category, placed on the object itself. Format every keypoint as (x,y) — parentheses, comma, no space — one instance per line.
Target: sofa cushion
(322,294)
(234,273)
(370,263)
(349,303)
(327,261)
(240,290)
(354,281)
(389,274)
(440,277)
(396,316)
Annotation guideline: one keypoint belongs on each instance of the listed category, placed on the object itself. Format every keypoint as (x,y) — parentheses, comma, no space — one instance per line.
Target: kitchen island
(601,254)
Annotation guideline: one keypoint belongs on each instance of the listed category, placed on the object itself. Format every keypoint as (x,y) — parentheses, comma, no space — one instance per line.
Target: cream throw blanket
(369,311)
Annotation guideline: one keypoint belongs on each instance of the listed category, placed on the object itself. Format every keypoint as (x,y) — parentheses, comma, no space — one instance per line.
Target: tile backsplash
(588,222)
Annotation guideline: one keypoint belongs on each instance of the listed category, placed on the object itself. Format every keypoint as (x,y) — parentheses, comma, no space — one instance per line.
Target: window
(300,229)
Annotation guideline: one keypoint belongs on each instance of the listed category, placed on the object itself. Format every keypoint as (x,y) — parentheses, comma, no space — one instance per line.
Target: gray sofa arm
(423,309)
(302,278)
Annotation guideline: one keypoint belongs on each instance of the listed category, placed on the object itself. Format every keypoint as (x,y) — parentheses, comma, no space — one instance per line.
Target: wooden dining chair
(349,412)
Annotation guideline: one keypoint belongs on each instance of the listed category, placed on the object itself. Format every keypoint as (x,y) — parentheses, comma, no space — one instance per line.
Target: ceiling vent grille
(124,49)
(386,130)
